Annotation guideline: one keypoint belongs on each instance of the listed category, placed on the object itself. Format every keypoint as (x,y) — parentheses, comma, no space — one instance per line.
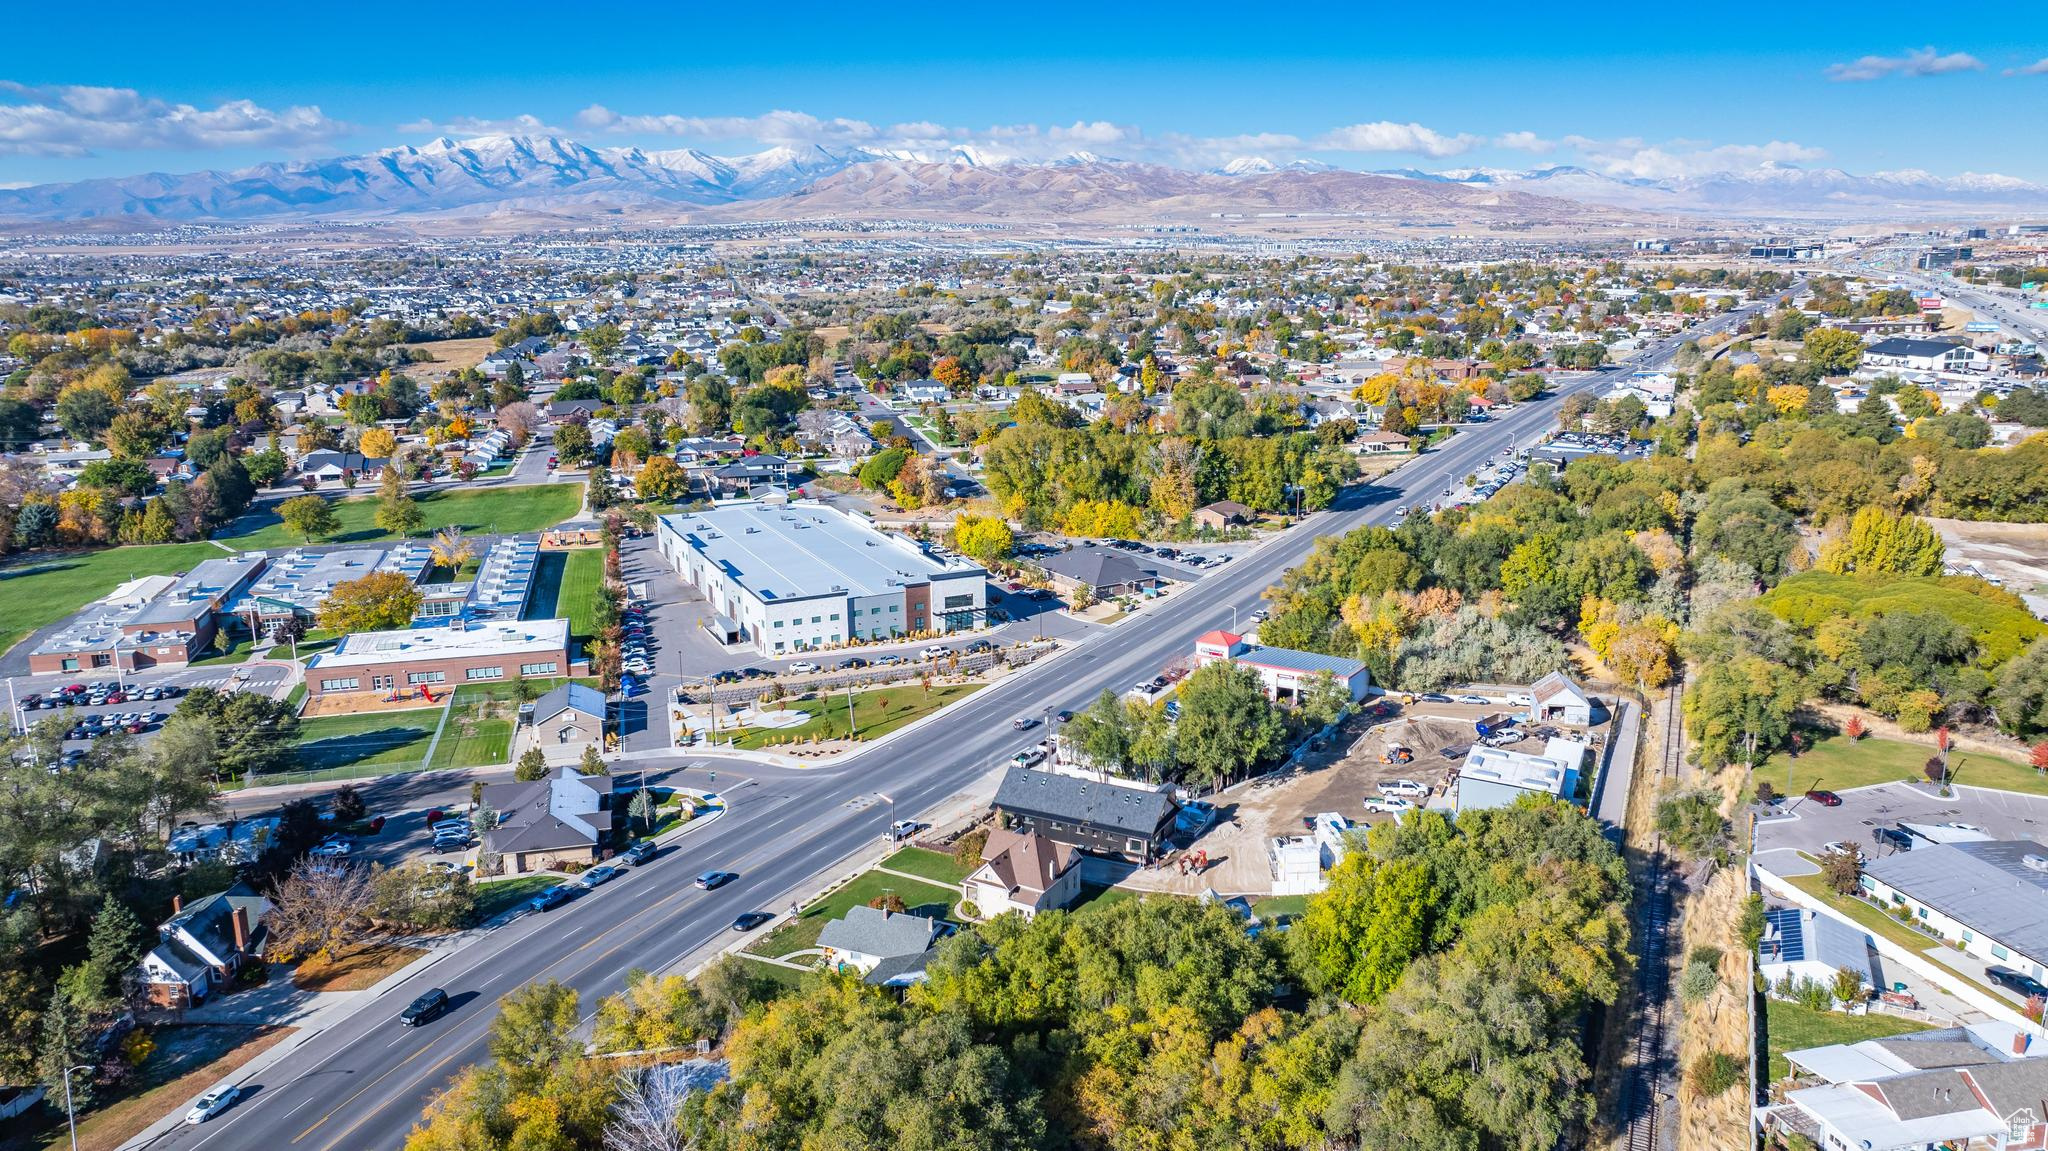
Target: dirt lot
(2014,554)
(450,356)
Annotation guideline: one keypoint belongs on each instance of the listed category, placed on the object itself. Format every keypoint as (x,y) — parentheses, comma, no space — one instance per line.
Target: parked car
(936,651)
(1405,788)
(901,830)
(1891,837)
(2016,982)
(551,897)
(1433,697)
(640,852)
(804,668)
(597,876)
(1386,805)
(853,664)
(749,920)
(979,646)
(712,880)
(213,1103)
(431,1005)
(1029,757)
(1063,715)
(1824,798)
(1480,700)
(1839,847)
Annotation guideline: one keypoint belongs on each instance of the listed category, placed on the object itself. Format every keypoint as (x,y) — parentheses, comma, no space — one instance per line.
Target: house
(1801,944)
(1978,1087)
(927,392)
(1103,572)
(1116,819)
(1383,442)
(562,410)
(564,817)
(330,466)
(742,475)
(1299,861)
(885,947)
(1989,898)
(1556,699)
(1284,674)
(203,945)
(1024,872)
(569,719)
(1924,356)
(1223,514)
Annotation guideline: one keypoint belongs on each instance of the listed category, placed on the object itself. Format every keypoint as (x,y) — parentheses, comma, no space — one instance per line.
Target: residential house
(569,719)
(1801,945)
(1976,1088)
(884,947)
(203,945)
(1024,872)
(1223,514)
(740,477)
(564,817)
(561,410)
(1103,572)
(1382,442)
(1113,819)
(331,466)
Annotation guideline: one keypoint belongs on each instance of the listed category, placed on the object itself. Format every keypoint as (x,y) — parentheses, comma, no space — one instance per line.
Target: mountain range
(491,174)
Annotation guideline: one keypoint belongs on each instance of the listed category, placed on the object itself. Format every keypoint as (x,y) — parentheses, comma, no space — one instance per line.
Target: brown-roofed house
(1223,514)
(1024,872)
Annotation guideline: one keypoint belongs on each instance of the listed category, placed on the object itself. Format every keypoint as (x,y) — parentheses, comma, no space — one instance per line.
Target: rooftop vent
(2037,862)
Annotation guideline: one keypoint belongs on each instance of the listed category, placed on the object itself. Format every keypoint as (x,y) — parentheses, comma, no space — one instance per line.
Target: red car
(1824,798)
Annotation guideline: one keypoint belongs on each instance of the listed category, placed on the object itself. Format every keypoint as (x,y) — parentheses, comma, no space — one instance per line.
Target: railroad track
(1643,1099)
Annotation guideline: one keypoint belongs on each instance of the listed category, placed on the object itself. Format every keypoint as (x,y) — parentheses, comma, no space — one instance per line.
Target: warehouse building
(788,578)
(442,658)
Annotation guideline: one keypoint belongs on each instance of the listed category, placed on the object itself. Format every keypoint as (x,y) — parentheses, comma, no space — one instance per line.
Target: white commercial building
(1497,777)
(788,578)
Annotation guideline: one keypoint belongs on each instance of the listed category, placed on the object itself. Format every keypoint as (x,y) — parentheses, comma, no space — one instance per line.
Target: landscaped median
(874,713)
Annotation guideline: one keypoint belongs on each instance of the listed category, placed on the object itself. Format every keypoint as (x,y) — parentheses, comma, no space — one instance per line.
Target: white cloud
(1920,62)
(1633,157)
(481,126)
(1528,142)
(1387,136)
(2037,68)
(779,127)
(76,120)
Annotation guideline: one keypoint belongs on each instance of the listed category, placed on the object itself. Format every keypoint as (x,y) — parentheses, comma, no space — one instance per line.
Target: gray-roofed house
(1982,1086)
(1024,872)
(1283,672)
(568,719)
(885,947)
(1103,571)
(203,945)
(1804,944)
(1989,898)
(1110,819)
(565,817)
(328,465)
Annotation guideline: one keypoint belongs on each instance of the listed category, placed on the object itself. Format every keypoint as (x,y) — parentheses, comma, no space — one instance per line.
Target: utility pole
(71,1115)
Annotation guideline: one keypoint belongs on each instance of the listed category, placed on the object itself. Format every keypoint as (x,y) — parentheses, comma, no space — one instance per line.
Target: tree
(417,897)
(2021,695)
(320,910)
(1692,822)
(1227,726)
(380,601)
(1358,936)
(592,763)
(662,480)
(572,445)
(115,946)
(532,765)
(535,1032)
(67,1041)
(1880,543)
(1835,351)
(377,444)
(1842,870)
(1324,701)
(451,549)
(986,538)
(397,512)
(309,516)
(347,805)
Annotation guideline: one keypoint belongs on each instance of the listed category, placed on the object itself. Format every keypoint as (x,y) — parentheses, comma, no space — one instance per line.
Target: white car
(1029,757)
(330,850)
(1402,787)
(1504,737)
(937,652)
(1839,847)
(1386,805)
(213,1103)
(804,668)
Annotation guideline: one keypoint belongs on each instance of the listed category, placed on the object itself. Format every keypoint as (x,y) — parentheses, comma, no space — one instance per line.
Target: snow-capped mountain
(1260,166)
(1768,190)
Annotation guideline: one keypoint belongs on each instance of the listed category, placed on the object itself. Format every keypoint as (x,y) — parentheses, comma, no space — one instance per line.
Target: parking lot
(39,699)
(1805,826)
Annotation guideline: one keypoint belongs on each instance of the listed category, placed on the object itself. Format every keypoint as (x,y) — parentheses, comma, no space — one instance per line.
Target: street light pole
(70,1115)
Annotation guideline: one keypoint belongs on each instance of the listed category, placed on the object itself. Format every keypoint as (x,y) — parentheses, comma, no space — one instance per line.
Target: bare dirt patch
(448,357)
(2014,555)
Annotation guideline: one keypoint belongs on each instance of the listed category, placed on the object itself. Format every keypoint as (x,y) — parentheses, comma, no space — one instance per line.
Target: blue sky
(1667,91)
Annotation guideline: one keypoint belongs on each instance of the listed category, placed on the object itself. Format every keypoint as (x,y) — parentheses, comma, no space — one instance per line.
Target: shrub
(967,848)
(1705,953)
(1765,793)
(1713,1073)
(1699,981)
(891,902)
(1854,728)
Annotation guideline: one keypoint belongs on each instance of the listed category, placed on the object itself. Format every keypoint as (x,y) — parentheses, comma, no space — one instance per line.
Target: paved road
(364,1082)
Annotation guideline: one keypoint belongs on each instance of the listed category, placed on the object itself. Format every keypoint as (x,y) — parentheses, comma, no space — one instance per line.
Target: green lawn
(470,741)
(382,739)
(1092,896)
(877,712)
(936,866)
(499,896)
(41,589)
(1791,1027)
(788,977)
(1275,906)
(582,575)
(1836,763)
(501,511)
(924,898)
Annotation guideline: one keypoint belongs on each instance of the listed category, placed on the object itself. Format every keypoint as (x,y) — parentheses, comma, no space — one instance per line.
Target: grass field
(1836,763)
(582,575)
(477,738)
(188,1060)
(876,712)
(387,739)
(494,899)
(501,511)
(1275,906)
(790,978)
(1791,1027)
(936,866)
(924,898)
(357,971)
(1996,619)
(41,589)
(450,357)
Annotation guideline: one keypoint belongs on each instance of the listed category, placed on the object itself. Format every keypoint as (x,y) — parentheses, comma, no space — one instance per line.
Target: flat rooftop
(780,552)
(201,589)
(1514,769)
(303,579)
(514,637)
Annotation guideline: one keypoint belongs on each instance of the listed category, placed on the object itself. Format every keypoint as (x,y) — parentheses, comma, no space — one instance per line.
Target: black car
(852,664)
(1063,715)
(748,921)
(425,1009)
(2015,982)
(711,880)
(1891,837)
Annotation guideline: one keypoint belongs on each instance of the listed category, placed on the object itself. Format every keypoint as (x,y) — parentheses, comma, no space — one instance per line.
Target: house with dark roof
(1024,872)
(1802,944)
(1284,673)
(885,947)
(328,465)
(203,945)
(1988,898)
(564,817)
(568,719)
(1117,820)
(1223,514)
(1104,572)
(1924,356)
